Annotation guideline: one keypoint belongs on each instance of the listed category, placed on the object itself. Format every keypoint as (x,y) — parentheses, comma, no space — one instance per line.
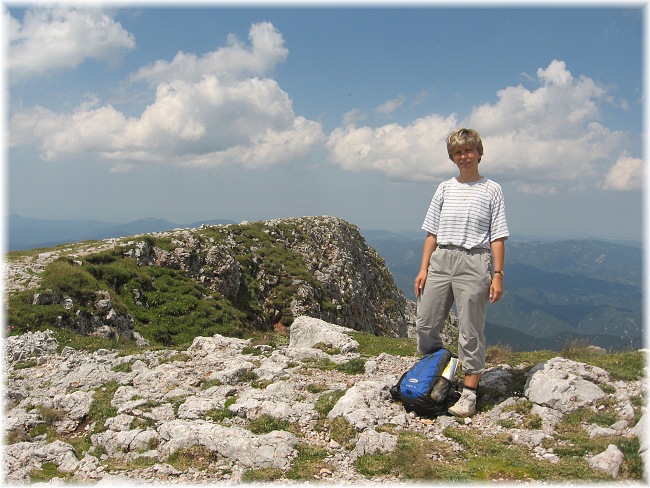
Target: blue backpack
(428,388)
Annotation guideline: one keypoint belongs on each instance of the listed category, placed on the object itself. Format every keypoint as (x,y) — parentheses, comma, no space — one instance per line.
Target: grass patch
(499,354)
(262,475)
(308,462)
(197,457)
(48,471)
(219,414)
(50,415)
(26,364)
(341,431)
(206,383)
(376,464)
(526,420)
(626,365)
(178,356)
(267,423)
(572,442)
(317,387)
(100,408)
(371,345)
(123,464)
(353,366)
(482,457)
(125,367)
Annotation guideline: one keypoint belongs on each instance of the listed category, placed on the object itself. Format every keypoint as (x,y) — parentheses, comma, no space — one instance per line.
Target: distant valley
(556,291)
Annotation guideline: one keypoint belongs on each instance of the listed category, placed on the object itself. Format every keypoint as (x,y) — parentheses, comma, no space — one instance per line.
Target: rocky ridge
(316,266)
(205,400)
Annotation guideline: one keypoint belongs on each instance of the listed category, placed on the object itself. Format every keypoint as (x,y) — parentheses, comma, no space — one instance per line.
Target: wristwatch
(499,272)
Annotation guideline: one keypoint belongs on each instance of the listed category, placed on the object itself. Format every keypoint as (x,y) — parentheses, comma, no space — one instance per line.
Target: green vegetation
(48,471)
(219,414)
(371,345)
(326,402)
(266,423)
(353,366)
(572,442)
(262,475)
(626,366)
(196,457)
(170,307)
(341,431)
(100,408)
(481,457)
(308,463)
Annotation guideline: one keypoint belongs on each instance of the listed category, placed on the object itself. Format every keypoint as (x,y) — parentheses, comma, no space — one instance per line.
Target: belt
(474,250)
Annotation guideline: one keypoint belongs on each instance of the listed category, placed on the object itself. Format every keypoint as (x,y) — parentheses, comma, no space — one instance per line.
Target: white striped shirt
(469,215)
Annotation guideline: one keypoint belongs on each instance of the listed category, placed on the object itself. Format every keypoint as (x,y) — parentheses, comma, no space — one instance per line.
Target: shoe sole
(461,415)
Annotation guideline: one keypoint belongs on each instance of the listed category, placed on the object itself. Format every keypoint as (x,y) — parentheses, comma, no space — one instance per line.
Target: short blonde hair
(460,137)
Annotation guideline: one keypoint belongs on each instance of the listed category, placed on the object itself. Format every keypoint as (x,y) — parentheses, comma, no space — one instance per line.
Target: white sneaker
(465,406)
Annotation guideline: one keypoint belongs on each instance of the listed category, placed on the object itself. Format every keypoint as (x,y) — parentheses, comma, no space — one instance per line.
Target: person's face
(466,158)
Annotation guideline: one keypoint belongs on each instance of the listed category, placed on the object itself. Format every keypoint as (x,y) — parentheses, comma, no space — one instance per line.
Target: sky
(120,111)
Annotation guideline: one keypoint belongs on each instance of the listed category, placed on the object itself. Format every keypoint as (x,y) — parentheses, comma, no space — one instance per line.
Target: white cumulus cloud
(55,38)
(625,175)
(234,61)
(412,152)
(202,115)
(542,138)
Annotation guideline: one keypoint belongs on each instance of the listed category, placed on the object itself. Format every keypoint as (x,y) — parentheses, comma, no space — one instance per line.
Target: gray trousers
(464,277)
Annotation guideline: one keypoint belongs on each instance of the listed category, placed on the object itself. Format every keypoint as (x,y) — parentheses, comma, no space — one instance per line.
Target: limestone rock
(608,461)
(308,331)
(372,442)
(362,404)
(207,398)
(565,385)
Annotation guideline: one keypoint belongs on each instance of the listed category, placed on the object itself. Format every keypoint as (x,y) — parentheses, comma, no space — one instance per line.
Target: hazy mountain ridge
(29,233)
(555,291)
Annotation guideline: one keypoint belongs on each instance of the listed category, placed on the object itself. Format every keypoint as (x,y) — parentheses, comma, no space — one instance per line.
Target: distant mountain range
(27,233)
(556,291)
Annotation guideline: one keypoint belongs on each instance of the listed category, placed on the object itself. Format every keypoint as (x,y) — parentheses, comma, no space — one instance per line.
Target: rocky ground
(108,418)
(166,401)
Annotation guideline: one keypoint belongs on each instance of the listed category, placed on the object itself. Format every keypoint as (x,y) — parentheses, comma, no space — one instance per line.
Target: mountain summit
(213,279)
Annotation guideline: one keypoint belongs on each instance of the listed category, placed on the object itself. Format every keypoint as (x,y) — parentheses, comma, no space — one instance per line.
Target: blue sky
(214,112)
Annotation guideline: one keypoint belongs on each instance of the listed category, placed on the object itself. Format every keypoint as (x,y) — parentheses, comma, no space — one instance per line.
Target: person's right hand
(420,280)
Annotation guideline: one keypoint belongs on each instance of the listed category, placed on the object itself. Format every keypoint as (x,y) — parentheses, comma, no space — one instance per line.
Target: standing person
(462,261)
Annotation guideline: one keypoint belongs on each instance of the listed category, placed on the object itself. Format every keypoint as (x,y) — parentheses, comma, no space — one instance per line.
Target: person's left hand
(496,288)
